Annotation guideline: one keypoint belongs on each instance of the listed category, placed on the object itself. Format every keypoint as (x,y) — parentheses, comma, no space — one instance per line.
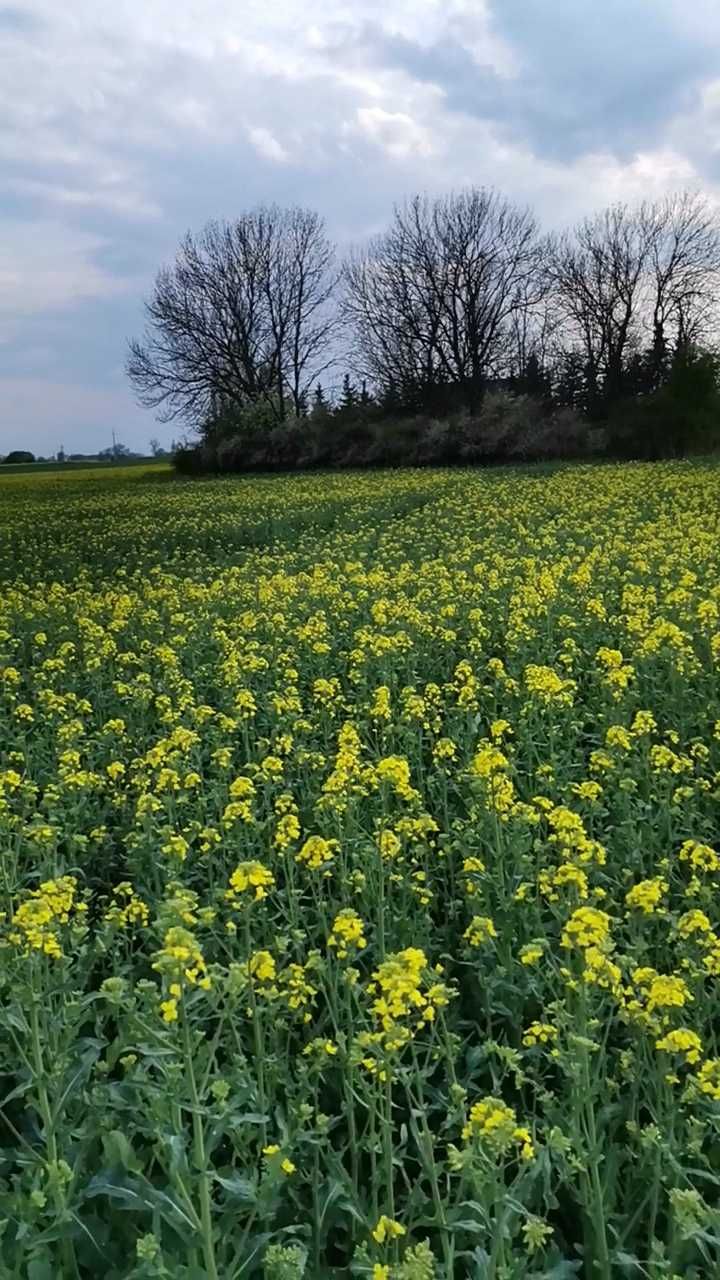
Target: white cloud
(395,132)
(561,193)
(267,145)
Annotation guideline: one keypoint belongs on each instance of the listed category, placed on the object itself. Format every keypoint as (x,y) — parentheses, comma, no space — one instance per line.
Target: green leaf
(238,1188)
(40,1269)
(118,1151)
(115,1187)
(174,1145)
(140,1195)
(17,1092)
(562,1270)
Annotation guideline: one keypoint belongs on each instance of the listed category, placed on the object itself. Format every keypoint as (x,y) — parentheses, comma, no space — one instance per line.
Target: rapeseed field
(360,901)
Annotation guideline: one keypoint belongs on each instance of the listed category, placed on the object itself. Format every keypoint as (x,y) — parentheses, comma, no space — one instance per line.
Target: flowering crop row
(360,866)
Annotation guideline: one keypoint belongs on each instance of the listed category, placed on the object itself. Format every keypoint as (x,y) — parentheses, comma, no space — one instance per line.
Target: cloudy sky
(125,122)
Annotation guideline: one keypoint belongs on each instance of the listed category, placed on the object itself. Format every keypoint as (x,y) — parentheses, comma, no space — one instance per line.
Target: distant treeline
(115,453)
(466,334)
(71,462)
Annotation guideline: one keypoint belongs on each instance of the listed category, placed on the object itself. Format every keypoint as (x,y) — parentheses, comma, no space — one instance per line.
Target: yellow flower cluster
(181,962)
(36,924)
(249,879)
(480,930)
(406,995)
(493,1124)
(317,853)
(347,935)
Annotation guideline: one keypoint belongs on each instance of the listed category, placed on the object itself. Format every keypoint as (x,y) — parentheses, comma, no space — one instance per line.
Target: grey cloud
(605,77)
(610,75)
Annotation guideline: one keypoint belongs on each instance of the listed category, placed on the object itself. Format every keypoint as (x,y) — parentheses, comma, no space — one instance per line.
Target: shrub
(393,442)
(18,455)
(495,430)
(681,417)
(232,454)
(561,434)
(436,443)
(191,460)
(506,428)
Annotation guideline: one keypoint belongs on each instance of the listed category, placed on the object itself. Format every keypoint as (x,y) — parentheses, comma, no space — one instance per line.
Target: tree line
(461,312)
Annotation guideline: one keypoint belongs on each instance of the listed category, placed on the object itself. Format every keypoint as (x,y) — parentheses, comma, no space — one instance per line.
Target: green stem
(381,909)
(200,1156)
(51,1147)
(257,1035)
(497,1255)
(374,1180)
(388,1143)
(601,1264)
(352,1126)
(425,1145)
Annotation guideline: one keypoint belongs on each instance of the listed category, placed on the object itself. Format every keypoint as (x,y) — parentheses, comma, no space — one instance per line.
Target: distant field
(34,468)
(360,909)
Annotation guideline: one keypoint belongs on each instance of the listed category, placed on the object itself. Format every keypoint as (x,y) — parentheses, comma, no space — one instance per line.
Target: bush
(18,455)
(195,460)
(561,434)
(506,428)
(437,443)
(392,443)
(680,418)
(232,454)
(511,427)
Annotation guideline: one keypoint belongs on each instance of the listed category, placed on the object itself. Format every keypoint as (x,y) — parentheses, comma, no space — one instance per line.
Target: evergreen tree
(534,380)
(391,399)
(571,385)
(320,405)
(348,396)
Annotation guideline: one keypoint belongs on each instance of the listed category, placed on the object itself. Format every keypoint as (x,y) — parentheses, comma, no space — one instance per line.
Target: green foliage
(507,427)
(17,456)
(687,408)
(681,418)
(249,420)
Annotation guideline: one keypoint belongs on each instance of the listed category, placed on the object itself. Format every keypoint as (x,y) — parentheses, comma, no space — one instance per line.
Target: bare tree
(391,312)
(684,265)
(598,272)
(635,280)
(243,315)
(431,300)
(533,333)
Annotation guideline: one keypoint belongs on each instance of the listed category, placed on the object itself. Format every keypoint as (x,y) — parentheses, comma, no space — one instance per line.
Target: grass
(359,887)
